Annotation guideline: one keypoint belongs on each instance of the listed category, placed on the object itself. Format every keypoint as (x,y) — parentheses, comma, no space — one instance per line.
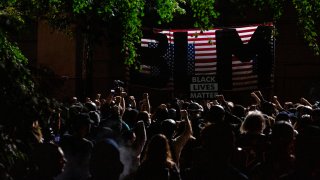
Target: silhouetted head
(253,123)
(283,116)
(168,128)
(307,151)
(90,106)
(302,122)
(49,159)
(194,110)
(128,137)
(282,133)
(239,111)
(161,114)
(268,108)
(145,117)
(305,110)
(158,150)
(130,117)
(218,140)
(194,106)
(82,124)
(95,117)
(172,113)
(215,114)
(105,160)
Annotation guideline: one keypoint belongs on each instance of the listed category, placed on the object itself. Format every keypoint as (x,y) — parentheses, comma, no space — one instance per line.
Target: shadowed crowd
(121,137)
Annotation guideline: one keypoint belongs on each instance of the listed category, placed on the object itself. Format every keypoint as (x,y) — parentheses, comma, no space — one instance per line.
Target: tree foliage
(20,102)
(124,17)
(90,15)
(306,11)
(308,19)
(127,15)
(16,84)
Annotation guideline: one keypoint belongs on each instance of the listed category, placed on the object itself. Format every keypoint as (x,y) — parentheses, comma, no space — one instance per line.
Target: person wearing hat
(77,149)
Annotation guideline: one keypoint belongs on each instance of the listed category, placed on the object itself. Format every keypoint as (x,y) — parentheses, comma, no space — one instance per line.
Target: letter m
(259,49)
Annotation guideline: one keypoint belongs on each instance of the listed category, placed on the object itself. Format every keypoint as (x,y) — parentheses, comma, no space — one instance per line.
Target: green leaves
(204,12)
(86,14)
(81,6)
(15,82)
(166,9)
(131,17)
(307,11)
(308,18)
(9,153)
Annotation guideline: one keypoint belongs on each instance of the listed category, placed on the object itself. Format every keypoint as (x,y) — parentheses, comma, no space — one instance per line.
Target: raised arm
(259,94)
(181,140)
(221,100)
(122,101)
(256,98)
(141,139)
(277,103)
(132,102)
(145,103)
(304,101)
(109,98)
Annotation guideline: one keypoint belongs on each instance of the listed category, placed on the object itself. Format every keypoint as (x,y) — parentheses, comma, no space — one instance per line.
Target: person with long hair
(157,163)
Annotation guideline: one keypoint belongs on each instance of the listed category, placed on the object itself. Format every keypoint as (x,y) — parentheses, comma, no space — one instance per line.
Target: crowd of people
(119,137)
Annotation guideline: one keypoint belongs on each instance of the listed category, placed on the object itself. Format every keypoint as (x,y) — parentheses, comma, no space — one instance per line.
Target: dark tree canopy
(89,16)
(21,105)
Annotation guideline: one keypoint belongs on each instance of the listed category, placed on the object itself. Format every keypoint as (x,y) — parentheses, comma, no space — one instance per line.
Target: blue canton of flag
(255,64)
(152,45)
(191,59)
(155,71)
(169,57)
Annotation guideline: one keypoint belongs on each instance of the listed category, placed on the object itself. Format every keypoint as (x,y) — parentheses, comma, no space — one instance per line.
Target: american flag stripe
(205,54)
(201,56)
(146,41)
(203,43)
(205,48)
(243,76)
(144,69)
(206,64)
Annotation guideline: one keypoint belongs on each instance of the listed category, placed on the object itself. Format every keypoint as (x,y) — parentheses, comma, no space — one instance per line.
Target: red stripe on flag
(205,54)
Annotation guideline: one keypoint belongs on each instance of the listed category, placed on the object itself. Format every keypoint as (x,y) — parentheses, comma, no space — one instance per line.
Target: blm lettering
(203,87)
(259,48)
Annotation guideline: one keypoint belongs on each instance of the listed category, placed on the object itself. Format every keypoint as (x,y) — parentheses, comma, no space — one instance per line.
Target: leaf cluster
(308,21)
(90,16)
(306,11)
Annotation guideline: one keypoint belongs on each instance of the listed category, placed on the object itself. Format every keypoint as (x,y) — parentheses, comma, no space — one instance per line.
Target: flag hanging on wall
(250,52)
(202,51)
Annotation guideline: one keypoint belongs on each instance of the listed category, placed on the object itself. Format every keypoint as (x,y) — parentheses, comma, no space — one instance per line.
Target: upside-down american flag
(202,56)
